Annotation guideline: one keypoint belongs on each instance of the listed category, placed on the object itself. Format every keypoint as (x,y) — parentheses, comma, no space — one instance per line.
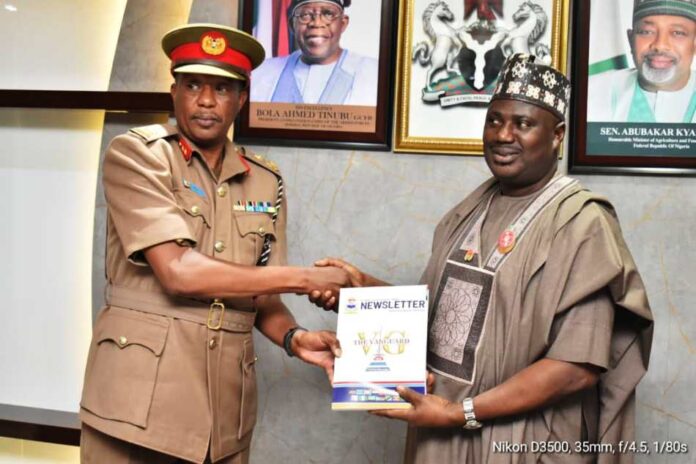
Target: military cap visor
(208,70)
(212,49)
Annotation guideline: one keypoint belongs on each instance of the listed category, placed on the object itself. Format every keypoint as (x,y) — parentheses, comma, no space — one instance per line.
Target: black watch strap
(287,339)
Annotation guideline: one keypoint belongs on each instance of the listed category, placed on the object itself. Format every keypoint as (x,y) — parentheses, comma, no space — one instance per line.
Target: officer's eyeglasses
(327,16)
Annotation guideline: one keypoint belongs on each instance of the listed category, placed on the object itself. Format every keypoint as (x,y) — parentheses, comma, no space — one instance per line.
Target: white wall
(48,171)
(58,45)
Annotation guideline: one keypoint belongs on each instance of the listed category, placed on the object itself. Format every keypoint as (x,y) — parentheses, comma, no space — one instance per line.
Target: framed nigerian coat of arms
(450,54)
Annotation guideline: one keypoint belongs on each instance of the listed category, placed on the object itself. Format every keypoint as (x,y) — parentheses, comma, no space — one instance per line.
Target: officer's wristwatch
(471,422)
(287,339)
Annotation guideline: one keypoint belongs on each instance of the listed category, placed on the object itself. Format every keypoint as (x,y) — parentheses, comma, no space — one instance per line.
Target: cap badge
(213,43)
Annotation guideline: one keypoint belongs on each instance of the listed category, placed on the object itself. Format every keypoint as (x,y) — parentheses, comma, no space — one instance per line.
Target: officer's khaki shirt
(166,383)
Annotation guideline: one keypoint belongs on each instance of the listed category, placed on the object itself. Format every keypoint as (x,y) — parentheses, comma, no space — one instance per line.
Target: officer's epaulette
(259,160)
(153,132)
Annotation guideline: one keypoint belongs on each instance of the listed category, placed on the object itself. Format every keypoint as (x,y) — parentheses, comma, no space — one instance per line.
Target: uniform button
(187,184)
(212,343)
(222,191)
(195,209)
(262,230)
(219,246)
(122,340)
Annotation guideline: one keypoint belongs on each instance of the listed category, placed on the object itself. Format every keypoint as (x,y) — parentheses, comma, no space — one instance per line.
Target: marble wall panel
(214,11)
(377,210)
(657,218)
(139,63)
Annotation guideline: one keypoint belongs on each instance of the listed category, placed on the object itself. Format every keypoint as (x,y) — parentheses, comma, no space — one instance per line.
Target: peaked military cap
(685,8)
(295,3)
(524,80)
(212,49)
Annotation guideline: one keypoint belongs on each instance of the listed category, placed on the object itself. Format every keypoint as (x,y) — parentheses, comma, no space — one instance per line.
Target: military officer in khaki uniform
(196,257)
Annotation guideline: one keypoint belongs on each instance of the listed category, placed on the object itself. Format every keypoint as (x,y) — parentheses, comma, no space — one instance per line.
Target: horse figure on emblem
(446,43)
(530,24)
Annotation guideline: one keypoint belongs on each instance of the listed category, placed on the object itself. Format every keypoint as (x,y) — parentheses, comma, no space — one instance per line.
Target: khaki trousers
(99,448)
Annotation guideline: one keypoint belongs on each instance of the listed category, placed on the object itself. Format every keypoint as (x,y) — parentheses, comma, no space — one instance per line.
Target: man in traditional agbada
(662,86)
(195,259)
(539,329)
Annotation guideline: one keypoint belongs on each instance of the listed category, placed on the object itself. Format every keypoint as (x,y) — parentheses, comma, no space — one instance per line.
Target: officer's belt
(186,309)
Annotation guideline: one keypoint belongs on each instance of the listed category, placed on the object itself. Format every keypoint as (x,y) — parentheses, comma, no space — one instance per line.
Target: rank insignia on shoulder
(260,160)
(153,132)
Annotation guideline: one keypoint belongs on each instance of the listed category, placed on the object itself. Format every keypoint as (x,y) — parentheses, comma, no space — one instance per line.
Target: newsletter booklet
(383,335)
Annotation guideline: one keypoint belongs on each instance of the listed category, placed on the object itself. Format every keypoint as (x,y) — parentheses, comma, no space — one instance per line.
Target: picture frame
(428,104)
(356,116)
(606,136)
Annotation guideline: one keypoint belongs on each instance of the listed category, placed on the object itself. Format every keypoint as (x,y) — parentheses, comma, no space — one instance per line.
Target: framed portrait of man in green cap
(636,86)
(326,75)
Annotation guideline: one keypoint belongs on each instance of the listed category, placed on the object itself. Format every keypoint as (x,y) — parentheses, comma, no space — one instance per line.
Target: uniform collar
(233,162)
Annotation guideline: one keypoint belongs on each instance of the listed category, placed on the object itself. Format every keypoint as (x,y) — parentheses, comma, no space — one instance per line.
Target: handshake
(322,284)
(329,275)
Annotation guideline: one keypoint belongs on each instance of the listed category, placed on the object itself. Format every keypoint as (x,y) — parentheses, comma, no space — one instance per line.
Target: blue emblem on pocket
(194,188)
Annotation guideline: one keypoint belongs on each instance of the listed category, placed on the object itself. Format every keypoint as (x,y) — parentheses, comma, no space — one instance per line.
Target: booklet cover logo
(351,308)
(376,346)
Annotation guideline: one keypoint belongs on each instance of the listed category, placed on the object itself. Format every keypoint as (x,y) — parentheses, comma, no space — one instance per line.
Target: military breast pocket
(197,209)
(122,365)
(253,229)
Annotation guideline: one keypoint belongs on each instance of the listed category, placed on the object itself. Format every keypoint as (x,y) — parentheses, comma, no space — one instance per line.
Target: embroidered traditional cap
(523,79)
(643,8)
(295,3)
(212,49)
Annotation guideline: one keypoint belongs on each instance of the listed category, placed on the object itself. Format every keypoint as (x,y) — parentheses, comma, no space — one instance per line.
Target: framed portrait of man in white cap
(326,76)
(635,86)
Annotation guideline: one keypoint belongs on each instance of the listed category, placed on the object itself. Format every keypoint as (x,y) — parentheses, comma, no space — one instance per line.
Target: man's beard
(658,76)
